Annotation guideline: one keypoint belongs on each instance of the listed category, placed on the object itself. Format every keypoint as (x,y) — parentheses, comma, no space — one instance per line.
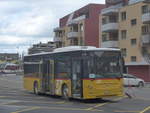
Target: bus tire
(35,88)
(65,92)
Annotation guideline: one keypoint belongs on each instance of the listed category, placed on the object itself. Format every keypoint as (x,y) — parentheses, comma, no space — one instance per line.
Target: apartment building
(42,47)
(81,27)
(126,25)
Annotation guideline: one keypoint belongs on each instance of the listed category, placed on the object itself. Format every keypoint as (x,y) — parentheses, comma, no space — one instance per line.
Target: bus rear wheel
(65,92)
(35,88)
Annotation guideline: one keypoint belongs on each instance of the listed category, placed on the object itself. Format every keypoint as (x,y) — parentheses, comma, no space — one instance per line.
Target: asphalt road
(14,99)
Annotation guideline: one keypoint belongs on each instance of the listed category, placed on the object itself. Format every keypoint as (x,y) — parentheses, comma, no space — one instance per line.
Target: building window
(133,42)
(123,16)
(104,37)
(104,21)
(133,58)
(113,19)
(124,52)
(133,22)
(144,9)
(145,29)
(75,41)
(123,34)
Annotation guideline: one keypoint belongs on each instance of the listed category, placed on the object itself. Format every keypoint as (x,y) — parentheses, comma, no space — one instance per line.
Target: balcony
(146,17)
(146,39)
(135,1)
(110,44)
(113,1)
(111,10)
(110,27)
(76,20)
(57,39)
(73,34)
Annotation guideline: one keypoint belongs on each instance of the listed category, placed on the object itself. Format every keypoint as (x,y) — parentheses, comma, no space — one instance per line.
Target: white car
(131,80)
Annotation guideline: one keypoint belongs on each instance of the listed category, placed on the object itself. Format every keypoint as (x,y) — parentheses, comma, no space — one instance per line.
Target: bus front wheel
(65,92)
(35,88)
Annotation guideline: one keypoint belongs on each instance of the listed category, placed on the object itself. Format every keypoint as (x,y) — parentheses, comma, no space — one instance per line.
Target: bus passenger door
(76,78)
(45,76)
(51,74)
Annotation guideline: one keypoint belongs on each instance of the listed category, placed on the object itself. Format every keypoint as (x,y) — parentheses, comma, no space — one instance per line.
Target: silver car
(131,80)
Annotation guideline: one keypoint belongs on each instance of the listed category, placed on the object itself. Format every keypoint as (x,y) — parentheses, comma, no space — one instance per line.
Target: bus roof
(75,48)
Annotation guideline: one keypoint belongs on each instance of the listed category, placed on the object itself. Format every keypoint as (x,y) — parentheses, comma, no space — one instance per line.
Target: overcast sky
(24,22)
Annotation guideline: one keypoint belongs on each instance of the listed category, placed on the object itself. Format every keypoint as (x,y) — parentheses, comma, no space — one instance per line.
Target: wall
(92,26)
(140,71)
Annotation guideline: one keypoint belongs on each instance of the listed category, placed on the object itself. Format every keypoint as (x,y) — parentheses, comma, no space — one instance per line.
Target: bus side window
(63,69)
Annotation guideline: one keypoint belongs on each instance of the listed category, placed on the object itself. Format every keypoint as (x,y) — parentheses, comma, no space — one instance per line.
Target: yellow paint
(102,88)
(146,109)
(29,82)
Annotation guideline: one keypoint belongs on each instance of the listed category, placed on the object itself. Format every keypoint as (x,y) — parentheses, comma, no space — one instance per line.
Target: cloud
(24,22)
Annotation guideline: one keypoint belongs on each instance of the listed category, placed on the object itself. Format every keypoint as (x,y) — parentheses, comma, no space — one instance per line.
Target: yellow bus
(80,72)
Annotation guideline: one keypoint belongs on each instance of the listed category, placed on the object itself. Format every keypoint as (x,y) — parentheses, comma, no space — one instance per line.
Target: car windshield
(103,64)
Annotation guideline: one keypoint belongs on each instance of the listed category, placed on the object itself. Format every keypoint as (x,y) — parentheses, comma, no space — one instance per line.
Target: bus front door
(76,78)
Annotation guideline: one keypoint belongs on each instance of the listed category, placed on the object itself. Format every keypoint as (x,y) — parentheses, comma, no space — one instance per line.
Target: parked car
(131,80)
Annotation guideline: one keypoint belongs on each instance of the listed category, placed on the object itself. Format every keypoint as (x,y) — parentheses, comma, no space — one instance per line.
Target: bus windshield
(103,64)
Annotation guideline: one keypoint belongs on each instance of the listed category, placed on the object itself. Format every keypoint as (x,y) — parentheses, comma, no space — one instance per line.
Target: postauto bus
(80,72)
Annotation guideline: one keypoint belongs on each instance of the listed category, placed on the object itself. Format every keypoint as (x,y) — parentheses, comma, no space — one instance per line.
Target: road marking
(53,108)
(3,96)
(28,109)
(127,111)
(99,105)
(141,98)
(146,109)
(72,109)
(41,102)
(7,103)
(5,79)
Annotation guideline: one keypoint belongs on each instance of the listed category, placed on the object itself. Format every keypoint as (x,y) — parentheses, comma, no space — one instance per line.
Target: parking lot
(14,99)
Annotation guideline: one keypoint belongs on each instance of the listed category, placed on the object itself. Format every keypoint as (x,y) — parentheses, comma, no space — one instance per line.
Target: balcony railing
(77,20)
(135,1)
(73,34)
(110,44)
(146,17)
(111,10)
(110,27)
(146,39)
